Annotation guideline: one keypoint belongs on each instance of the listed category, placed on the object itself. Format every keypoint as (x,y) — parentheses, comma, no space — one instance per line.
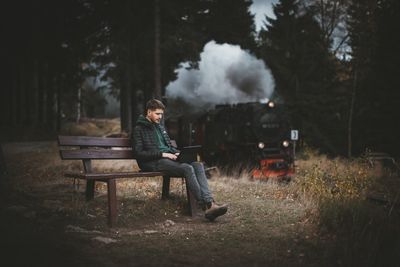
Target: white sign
(294,135)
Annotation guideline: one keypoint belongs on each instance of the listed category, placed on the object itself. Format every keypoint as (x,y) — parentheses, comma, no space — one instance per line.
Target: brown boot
(214,210)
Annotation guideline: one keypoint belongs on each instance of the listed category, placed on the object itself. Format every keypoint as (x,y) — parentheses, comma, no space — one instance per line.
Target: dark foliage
(342,107)
(295,48)
(375,74)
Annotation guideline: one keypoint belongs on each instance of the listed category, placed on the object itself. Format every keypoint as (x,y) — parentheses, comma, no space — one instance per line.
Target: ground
(45,220)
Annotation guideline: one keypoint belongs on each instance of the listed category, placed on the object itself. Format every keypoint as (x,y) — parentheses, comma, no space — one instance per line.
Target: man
(154,152)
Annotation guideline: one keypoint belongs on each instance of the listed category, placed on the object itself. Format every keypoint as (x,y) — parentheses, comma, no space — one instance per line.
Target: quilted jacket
(145,145)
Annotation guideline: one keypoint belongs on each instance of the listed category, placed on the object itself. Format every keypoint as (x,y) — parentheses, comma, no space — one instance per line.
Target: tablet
(188,154)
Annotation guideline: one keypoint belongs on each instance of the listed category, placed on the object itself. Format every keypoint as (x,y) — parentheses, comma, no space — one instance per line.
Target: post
(112,202)
(3,167)
(294,154)
(192,203)
(294,136)
(90,184)
(165,187)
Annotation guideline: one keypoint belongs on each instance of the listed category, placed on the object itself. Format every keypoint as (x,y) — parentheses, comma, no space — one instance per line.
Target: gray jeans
(194,174)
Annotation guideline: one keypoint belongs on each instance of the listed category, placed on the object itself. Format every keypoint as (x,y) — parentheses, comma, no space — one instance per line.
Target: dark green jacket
(145,145)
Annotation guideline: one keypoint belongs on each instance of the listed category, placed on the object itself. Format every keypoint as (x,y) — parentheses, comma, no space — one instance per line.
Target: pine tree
(362,31)
(229,21)
(45,47)
(129,33)
(375,74)
(295,48)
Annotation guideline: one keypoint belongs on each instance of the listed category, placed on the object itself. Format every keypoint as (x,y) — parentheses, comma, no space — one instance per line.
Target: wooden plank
(192,203)
(111,175)
(165,187)
(93,141)
(96,154)
(112,202)
(90,187)
(90,184)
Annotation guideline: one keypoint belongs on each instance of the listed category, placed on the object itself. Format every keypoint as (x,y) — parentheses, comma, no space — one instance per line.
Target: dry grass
(92,127)
(260,226)
(321,218)
(342,190)
(322,177)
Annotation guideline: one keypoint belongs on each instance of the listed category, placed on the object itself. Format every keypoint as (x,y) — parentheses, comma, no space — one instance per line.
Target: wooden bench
(99,148)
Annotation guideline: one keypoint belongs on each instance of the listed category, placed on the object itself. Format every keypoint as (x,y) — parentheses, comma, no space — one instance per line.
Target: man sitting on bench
(154,152)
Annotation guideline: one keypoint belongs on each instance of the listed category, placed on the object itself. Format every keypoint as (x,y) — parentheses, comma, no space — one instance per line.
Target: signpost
(294,136)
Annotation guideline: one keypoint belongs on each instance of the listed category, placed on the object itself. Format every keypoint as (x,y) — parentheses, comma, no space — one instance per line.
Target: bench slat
(114,175)
(93,141)
(96,154)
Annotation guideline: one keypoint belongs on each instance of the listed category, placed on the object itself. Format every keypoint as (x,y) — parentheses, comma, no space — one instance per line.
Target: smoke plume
(226,74)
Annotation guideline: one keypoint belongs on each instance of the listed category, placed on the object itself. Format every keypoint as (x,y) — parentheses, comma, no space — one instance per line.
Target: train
(254,137)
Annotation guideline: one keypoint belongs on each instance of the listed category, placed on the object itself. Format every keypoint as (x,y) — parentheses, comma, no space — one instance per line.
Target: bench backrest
(87,147)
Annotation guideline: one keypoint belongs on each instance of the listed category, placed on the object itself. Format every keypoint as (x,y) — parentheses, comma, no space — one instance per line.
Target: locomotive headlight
(285,143)
(261,145)
(271,104)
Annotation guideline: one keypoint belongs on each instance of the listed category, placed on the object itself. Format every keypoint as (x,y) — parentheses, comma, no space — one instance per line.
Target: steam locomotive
(252,136)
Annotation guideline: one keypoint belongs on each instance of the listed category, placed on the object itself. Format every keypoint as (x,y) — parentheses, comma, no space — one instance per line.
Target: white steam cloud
(226,74)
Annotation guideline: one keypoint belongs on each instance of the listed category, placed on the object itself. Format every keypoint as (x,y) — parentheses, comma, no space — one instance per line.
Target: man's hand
(170,156)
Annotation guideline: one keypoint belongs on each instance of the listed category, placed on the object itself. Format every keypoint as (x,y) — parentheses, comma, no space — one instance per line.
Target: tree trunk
(14,90)
(49,99)
(7,99)
(41,95)
(45,85)
(157,59)
(28,92)
(58,104)
(78,104)
(126,101)
(35,94)
(57,84)
(351,112)
(21,94)
(127,92)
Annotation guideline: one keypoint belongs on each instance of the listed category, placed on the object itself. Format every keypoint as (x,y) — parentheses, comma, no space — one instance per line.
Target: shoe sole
(212,216)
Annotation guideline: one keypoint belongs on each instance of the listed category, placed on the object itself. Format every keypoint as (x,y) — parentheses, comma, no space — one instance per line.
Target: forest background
(334,63)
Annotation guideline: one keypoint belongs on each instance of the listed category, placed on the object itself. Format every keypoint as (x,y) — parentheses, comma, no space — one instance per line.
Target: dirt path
(46,221)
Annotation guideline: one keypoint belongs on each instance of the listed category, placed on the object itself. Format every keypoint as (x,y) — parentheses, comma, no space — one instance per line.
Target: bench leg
(90,189)
(112,202)
(192,203)
(165,187)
